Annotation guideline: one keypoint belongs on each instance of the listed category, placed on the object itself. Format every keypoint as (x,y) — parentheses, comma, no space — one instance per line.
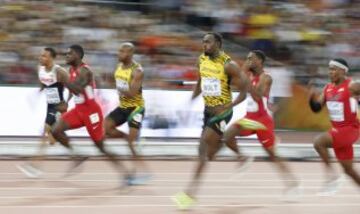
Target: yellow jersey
(215,83)
(123,78)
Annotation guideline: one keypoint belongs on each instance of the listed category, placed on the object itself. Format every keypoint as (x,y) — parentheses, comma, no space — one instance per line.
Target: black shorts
(133,116)
(52,114)
(217,122)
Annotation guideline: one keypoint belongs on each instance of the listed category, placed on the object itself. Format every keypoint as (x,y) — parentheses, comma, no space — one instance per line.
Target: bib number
(137,118)
(122,85)
(336,110)
(52,95)
(94,118)
(211,87)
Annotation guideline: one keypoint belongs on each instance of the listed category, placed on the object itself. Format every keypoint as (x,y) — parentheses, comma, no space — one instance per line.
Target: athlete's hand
(246,66)
(228,106)
(62,107)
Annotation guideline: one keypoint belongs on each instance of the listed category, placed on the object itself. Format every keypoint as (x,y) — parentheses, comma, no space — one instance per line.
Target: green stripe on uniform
(250,124)
(136,111)
(220,117)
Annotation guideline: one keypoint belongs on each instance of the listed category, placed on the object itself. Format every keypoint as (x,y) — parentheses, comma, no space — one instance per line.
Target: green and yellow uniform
(131,109)
(215,88)
(123,80)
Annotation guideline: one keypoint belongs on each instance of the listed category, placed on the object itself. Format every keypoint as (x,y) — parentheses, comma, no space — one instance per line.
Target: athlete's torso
(123,78)
(257,107)
(341,106)
(215,83)
(87,95)
(54,90)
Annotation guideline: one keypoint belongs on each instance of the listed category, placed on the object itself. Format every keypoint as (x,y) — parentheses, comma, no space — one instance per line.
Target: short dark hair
(78,49)
(51,51)
(260,54)
(217,37)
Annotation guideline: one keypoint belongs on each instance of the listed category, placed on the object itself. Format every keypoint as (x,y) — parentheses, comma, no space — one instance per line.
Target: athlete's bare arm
(354,88)
(81,81)
(197,88)
(239,81)
(136,83)
(62,75)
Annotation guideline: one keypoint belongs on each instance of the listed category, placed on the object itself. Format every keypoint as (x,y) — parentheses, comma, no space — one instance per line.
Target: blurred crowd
(300,35)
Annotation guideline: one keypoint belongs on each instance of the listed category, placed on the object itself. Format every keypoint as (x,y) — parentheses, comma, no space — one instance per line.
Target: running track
(95,190)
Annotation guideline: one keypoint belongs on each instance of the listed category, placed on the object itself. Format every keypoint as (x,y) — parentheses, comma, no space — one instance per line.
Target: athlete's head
(337,69)
(256,60)
(126,51)
(47,56)
(74,54)
(212,43)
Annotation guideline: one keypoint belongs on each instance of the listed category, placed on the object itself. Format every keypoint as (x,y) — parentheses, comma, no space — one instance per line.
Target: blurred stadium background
(298,36)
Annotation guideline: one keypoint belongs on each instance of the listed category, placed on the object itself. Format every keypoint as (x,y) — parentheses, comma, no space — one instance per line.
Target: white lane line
(169,196)
(169,173)
(199,205)
(167,187)
(164,180)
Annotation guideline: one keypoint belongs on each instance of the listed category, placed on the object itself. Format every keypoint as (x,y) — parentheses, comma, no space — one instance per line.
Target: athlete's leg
(284,169)
(344,151)
(133,135)
(94,125)
(49,136)
(230,141)
(112,158)
(348,168)
(31,168)
(69,120)
(343,140)
(209,145)
(58,131)
(112,131)
(46,138)
(116,118)
(139,162)
(134,119)
(321,144)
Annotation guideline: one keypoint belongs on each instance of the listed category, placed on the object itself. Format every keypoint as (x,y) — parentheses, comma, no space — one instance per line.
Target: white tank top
(53,89)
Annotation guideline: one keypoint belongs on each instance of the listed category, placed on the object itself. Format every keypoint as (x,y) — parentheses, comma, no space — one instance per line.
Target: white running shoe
(292,193)
(245,164)
(29,170)
(331,187)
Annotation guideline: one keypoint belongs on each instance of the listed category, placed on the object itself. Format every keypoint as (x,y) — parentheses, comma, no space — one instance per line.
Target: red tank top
(341,106)
(87,95)
(257,107)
